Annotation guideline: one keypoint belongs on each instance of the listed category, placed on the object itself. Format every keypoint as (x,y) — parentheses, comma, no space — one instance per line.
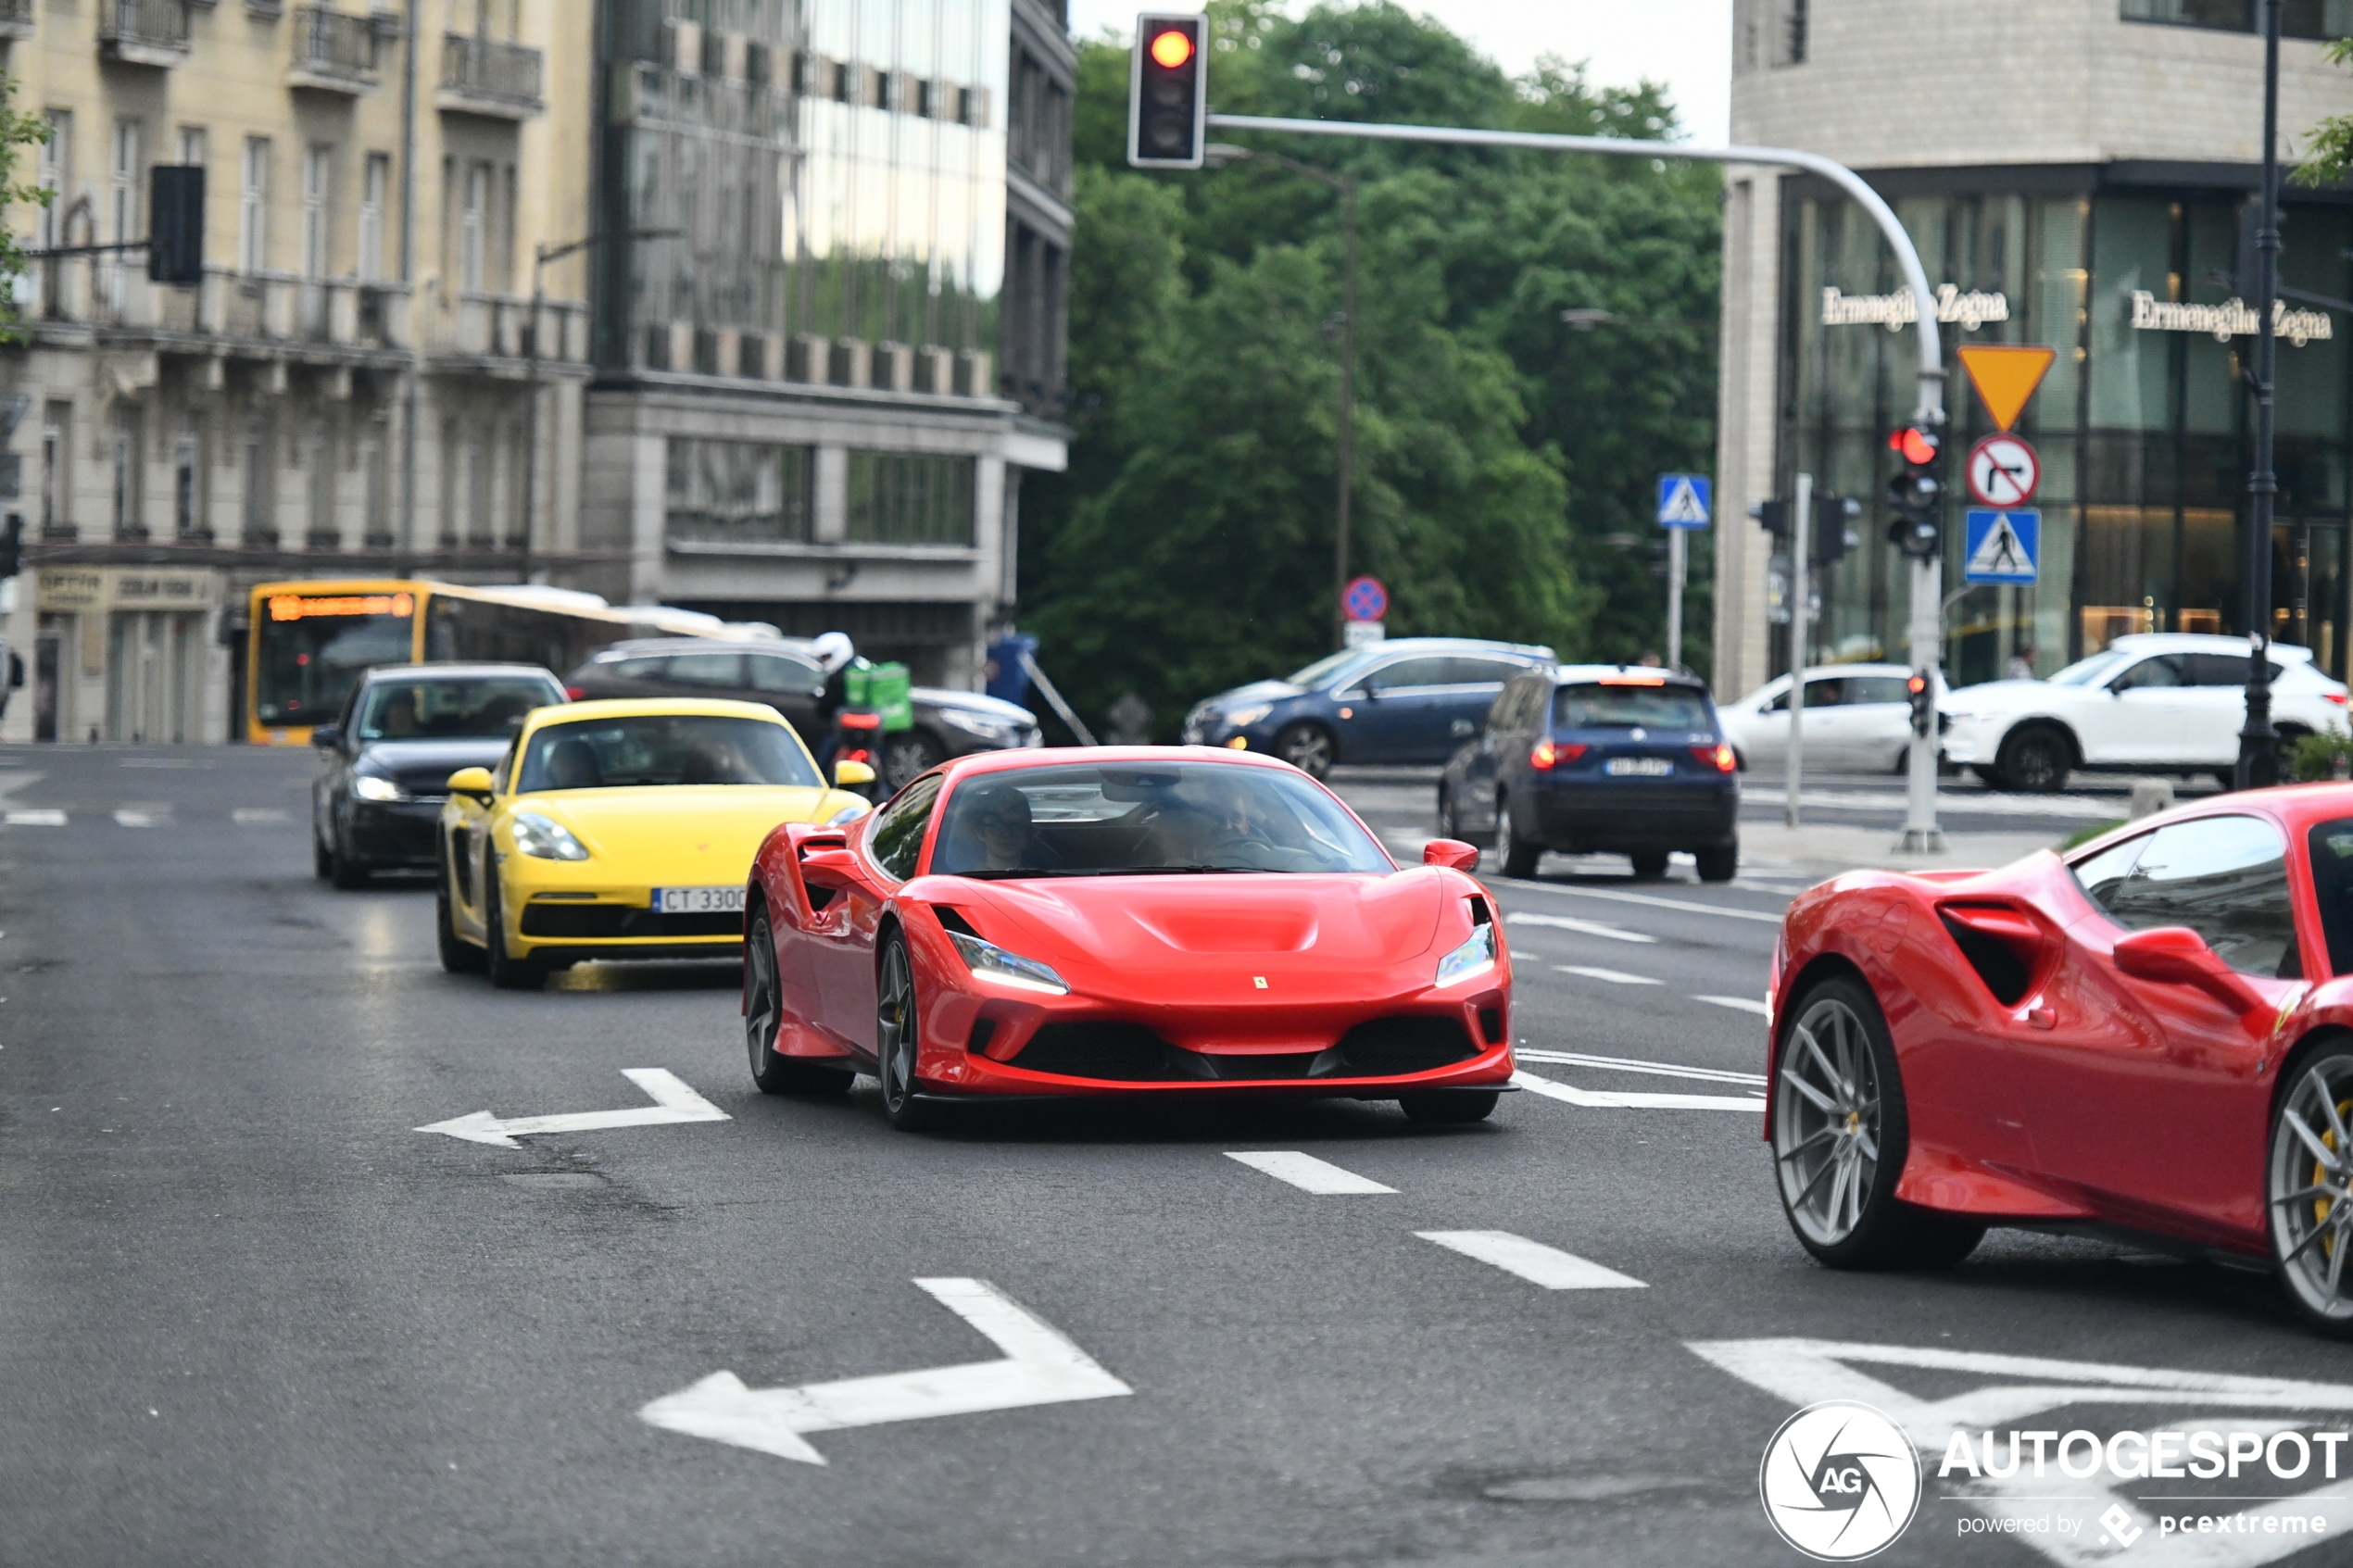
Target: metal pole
(530,414)
(1347,414)
(1675,599)
(1801,577)
(2258,763)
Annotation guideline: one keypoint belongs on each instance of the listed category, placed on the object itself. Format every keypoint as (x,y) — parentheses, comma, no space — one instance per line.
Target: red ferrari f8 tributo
(1121,922)
(2151,1034)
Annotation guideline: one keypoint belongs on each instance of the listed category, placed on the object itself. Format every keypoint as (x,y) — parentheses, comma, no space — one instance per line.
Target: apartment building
(360,386)
(830,330)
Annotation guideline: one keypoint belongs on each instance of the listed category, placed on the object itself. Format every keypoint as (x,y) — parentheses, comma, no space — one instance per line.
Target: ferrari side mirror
(2174,955)
(1451,853)
(474,781)
(829,867)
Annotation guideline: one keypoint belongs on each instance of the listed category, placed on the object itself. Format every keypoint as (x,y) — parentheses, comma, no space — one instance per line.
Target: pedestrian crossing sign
(2003,547)
(1682,500)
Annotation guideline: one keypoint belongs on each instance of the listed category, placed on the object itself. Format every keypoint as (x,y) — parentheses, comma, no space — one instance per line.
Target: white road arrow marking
(674,1101)
(1532,1260)
(1631,1099)
(1309,1174)
(1041,1367)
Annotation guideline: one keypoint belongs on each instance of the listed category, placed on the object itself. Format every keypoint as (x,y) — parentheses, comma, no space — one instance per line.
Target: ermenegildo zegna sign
(2233,318)
(1895,311)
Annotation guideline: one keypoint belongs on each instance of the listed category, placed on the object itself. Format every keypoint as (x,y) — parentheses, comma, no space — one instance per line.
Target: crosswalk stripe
(1625,1099)
(1582,927)
(1615,976)
(1743,1004)
(1532,1260)
(1308,1173)
(37,817)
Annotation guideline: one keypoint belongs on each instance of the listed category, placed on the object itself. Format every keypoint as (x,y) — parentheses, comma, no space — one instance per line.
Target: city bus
(307,641)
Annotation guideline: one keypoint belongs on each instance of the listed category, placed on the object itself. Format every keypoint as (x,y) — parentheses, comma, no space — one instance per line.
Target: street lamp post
(2258,762)
(1345,184)
(541,258)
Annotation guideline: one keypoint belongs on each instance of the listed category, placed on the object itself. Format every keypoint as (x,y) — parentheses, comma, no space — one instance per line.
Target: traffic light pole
(1801,603)
(1921,832)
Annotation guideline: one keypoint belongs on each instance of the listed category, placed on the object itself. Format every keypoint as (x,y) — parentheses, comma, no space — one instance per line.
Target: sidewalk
(1824,851)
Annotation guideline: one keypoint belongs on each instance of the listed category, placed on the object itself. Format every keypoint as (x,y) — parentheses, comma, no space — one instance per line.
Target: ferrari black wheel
(457,955)
(1518,856)
(763,1011)
(1649,864)
(897,1040)
(1840,1135)
(1452,1109)
(1307,746)
(507,971)
(2310,1188)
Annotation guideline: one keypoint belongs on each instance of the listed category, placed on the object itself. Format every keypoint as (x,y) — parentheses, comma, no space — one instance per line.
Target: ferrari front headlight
(544,838)
(992,962)
(1474,956)
(368,786)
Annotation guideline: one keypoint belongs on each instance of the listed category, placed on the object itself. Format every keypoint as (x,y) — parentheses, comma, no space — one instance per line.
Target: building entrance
(154,676)
(2310,585)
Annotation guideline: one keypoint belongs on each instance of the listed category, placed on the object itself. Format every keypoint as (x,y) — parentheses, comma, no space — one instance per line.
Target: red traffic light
(1914,445)
(1916,684)
(1172,48)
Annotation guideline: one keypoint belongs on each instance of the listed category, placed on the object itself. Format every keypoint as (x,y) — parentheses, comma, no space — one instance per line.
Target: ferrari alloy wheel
(1308,748)
(1518,857)
(763,1011)
(2310,1188)
(1839,1133)
(897,1040)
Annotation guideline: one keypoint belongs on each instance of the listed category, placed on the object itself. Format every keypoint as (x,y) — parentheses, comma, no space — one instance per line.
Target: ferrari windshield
(664,748)
(1132,820)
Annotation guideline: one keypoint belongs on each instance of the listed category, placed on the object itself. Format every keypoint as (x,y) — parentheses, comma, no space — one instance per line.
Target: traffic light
(1167,92)
(1772,516)
(1923,698)
(1833,537)
(175,223)
(1916,490)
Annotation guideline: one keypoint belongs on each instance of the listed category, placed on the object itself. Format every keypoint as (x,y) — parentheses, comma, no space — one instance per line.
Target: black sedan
(385,764)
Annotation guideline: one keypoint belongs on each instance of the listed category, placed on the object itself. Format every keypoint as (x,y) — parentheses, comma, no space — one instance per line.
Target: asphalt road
(249,1315)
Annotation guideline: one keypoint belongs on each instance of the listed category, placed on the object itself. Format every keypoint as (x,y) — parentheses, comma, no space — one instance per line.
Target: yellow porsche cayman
(620,829)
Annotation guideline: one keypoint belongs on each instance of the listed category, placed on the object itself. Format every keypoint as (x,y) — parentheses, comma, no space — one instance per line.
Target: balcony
(17,19)
(333,52)
(501,81)
(235,315)
(495,331)
(144,33)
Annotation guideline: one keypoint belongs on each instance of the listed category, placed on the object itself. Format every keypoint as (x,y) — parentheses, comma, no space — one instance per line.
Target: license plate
(699,900)
(1639,767)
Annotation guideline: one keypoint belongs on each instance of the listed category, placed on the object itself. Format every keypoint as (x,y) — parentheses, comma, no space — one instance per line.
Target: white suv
(2151,702)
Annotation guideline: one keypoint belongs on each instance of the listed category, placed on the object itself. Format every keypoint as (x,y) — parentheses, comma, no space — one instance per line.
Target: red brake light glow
(1720,757)
(1172,48)
(575,692)
(1549,754)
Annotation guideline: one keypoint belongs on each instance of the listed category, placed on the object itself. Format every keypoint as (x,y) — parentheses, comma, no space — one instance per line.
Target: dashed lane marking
(1582,927)
(143,817)
(37,817)
(1684,905)
(1623,1099)
(258,816)
(1741,1004)
(1615,976)
(1630,1064)
(1532,1260)
(1308,1173)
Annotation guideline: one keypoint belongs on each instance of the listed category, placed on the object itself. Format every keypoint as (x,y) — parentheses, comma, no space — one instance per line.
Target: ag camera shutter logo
(1840,1481)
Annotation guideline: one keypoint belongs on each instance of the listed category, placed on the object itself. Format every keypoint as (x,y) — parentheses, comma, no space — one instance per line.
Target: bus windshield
(313,647)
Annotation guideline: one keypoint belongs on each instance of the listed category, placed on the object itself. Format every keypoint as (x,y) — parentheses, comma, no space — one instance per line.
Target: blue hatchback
(1413,700)
(1598,756)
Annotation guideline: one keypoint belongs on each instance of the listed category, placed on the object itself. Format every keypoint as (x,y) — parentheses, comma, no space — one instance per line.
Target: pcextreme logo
(1840,1481)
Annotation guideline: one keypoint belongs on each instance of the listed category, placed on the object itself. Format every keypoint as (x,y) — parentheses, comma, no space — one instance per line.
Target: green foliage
(2316,757)
(1504,461)
(16,131)
(2328,151)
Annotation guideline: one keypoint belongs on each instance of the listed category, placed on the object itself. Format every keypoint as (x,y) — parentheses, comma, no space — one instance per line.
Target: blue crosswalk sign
(1683,500)
(2002,546)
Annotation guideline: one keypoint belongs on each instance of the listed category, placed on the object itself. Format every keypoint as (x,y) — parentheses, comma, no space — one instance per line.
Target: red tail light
(1719,758)
(1548,755)
(575,692)
(860,755)
(2338,698)
(852,718)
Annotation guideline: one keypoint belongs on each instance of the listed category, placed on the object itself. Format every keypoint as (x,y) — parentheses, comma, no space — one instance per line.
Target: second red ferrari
(2153,1035)
(1121,922)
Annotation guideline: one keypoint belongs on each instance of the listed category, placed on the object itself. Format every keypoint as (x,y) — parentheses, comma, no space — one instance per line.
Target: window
(721,669)
(2332,850)
(124,441)
(192,145)
(253,206)
(375,186)
(451,709)
(2163,670)
(1878,688)
(318,458)
(317,171)
(1791,28)
(1407,675)
(2298,18)
(1627,707)
(56,174)
(739,492)
(897,498)
(472,260)
(658,749)
(261,502)
(187,477)
(2224,877)
(897,838)
(2221,669)
(1822,691)
(1478,672)
(57,460)
(122,199)
(775,672)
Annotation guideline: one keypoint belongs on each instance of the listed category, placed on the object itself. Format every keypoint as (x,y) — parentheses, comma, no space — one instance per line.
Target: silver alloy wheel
(2311,1187)
(1308,748)
(761,1009)
(1503,835)
(1826,1122)
(895,1034)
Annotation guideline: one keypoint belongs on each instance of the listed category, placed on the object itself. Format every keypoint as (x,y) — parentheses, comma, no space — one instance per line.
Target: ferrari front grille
(1389,1048)
(1134,1053)
(1128,1053)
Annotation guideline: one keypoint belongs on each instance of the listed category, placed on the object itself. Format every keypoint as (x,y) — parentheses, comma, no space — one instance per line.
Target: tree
(17,130)
(2328,151)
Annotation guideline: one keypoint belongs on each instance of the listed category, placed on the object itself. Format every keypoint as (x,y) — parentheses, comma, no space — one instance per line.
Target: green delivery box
(884,688)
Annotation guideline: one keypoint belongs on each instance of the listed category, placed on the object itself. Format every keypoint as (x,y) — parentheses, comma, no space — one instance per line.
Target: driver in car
(1209,821)
(1008,839)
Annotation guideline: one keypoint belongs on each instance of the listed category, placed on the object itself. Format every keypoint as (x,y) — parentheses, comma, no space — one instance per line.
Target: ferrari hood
(1163,924)
(703,833)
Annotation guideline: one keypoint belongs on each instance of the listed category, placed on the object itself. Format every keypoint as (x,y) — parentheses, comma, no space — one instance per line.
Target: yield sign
(1041,1367)
(2005,378)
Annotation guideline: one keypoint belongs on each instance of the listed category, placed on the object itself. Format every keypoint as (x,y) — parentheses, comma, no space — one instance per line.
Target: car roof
(1623,674)
(652,708)
(1455,645)
(455,672)
(640,645)
(2197,641)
